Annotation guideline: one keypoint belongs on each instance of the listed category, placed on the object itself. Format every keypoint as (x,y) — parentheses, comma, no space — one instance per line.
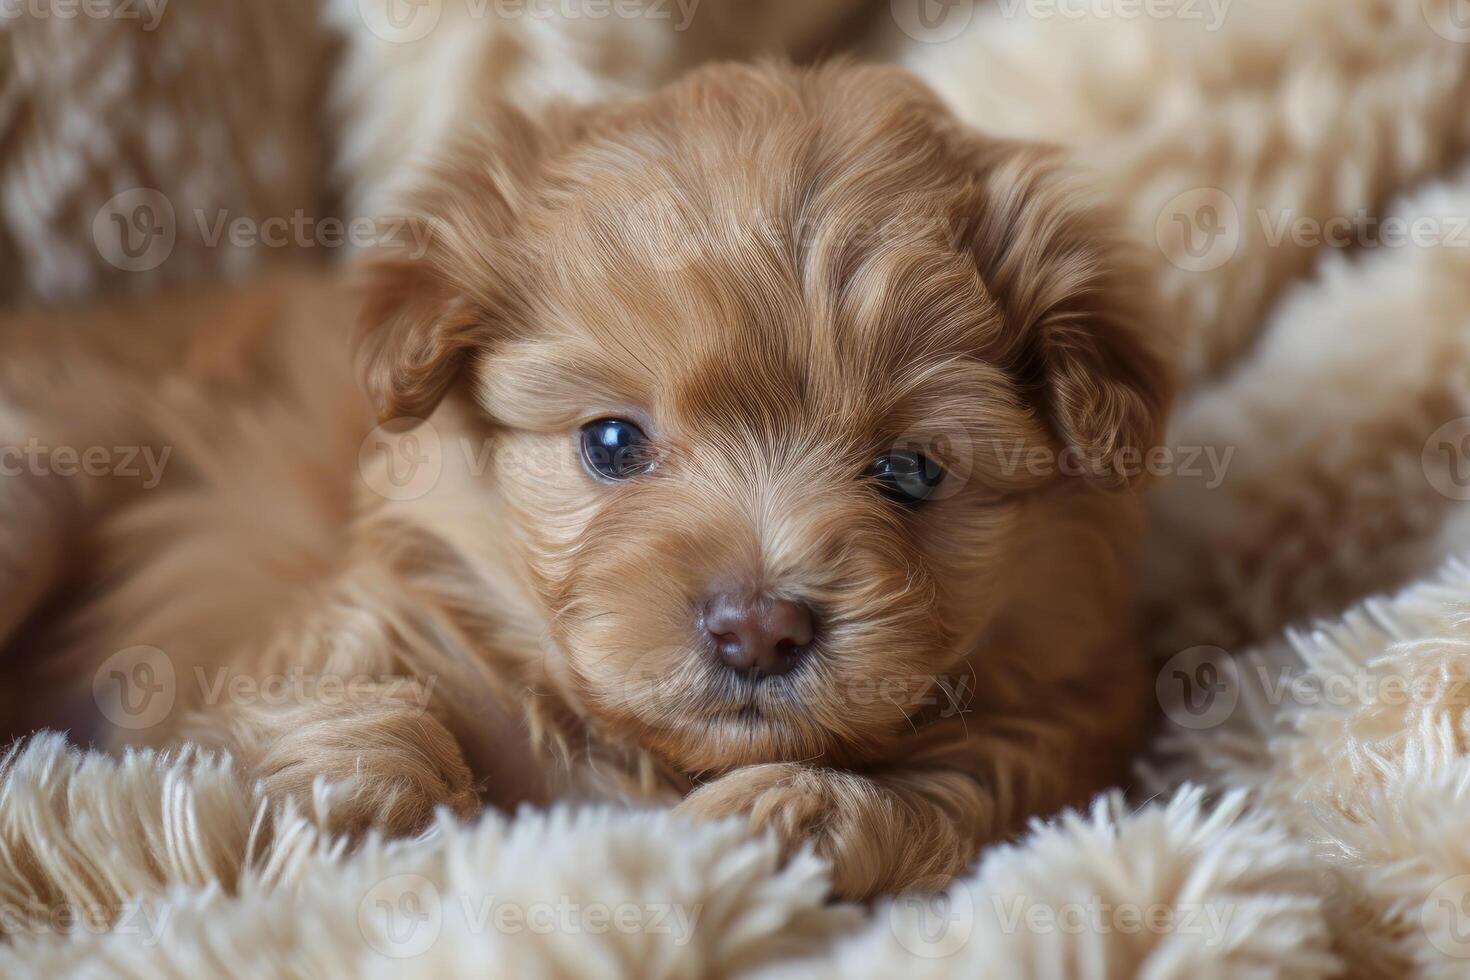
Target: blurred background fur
(264,108)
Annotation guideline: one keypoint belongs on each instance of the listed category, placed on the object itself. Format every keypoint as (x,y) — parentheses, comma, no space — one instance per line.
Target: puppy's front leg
(951,788)
(396,761)
(883,832)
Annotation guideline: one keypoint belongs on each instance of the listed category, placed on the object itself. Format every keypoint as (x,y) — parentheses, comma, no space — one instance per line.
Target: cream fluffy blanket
(1341,844)
(1312,815)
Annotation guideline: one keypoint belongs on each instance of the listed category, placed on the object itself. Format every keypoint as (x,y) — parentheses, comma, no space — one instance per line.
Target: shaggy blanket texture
(1330,842)
(1311,787)
(127,139)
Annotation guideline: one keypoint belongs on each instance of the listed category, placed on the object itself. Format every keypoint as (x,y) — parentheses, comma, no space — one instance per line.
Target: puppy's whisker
(903,712)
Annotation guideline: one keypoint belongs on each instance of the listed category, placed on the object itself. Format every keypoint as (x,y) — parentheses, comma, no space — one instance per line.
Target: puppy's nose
(760,633)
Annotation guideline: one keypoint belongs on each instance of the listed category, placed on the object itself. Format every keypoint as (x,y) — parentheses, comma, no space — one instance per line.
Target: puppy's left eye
(616,449)
(906,477)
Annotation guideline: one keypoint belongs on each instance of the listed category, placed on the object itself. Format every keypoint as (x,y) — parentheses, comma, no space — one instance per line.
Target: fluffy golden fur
(780,274)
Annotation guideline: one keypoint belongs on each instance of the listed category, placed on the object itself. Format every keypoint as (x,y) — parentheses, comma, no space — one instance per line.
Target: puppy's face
(764,355)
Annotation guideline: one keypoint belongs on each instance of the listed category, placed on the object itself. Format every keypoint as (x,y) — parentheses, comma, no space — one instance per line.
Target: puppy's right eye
(909,478)
(616,449)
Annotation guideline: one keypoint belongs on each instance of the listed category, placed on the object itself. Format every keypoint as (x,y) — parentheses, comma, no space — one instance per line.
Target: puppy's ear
(435,289)
(1081,332)
(416,333)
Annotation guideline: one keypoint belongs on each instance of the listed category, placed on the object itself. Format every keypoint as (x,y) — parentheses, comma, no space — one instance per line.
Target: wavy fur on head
(781,275)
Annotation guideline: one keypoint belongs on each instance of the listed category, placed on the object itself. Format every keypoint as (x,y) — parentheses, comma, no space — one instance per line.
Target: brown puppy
(801,429)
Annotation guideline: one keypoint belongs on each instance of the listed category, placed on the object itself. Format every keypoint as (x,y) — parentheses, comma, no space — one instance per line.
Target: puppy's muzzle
(759,634)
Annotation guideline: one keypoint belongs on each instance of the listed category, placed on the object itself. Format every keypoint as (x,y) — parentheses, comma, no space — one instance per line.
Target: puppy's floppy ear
(435,291)
(416,333)
(1081,331)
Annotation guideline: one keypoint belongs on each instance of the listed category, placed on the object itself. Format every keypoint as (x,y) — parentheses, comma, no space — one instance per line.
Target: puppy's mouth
(749,714)
(752,698)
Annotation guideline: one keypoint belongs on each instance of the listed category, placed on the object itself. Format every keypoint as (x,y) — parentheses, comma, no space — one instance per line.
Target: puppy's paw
(790,800)
(853,821)
(392,766)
